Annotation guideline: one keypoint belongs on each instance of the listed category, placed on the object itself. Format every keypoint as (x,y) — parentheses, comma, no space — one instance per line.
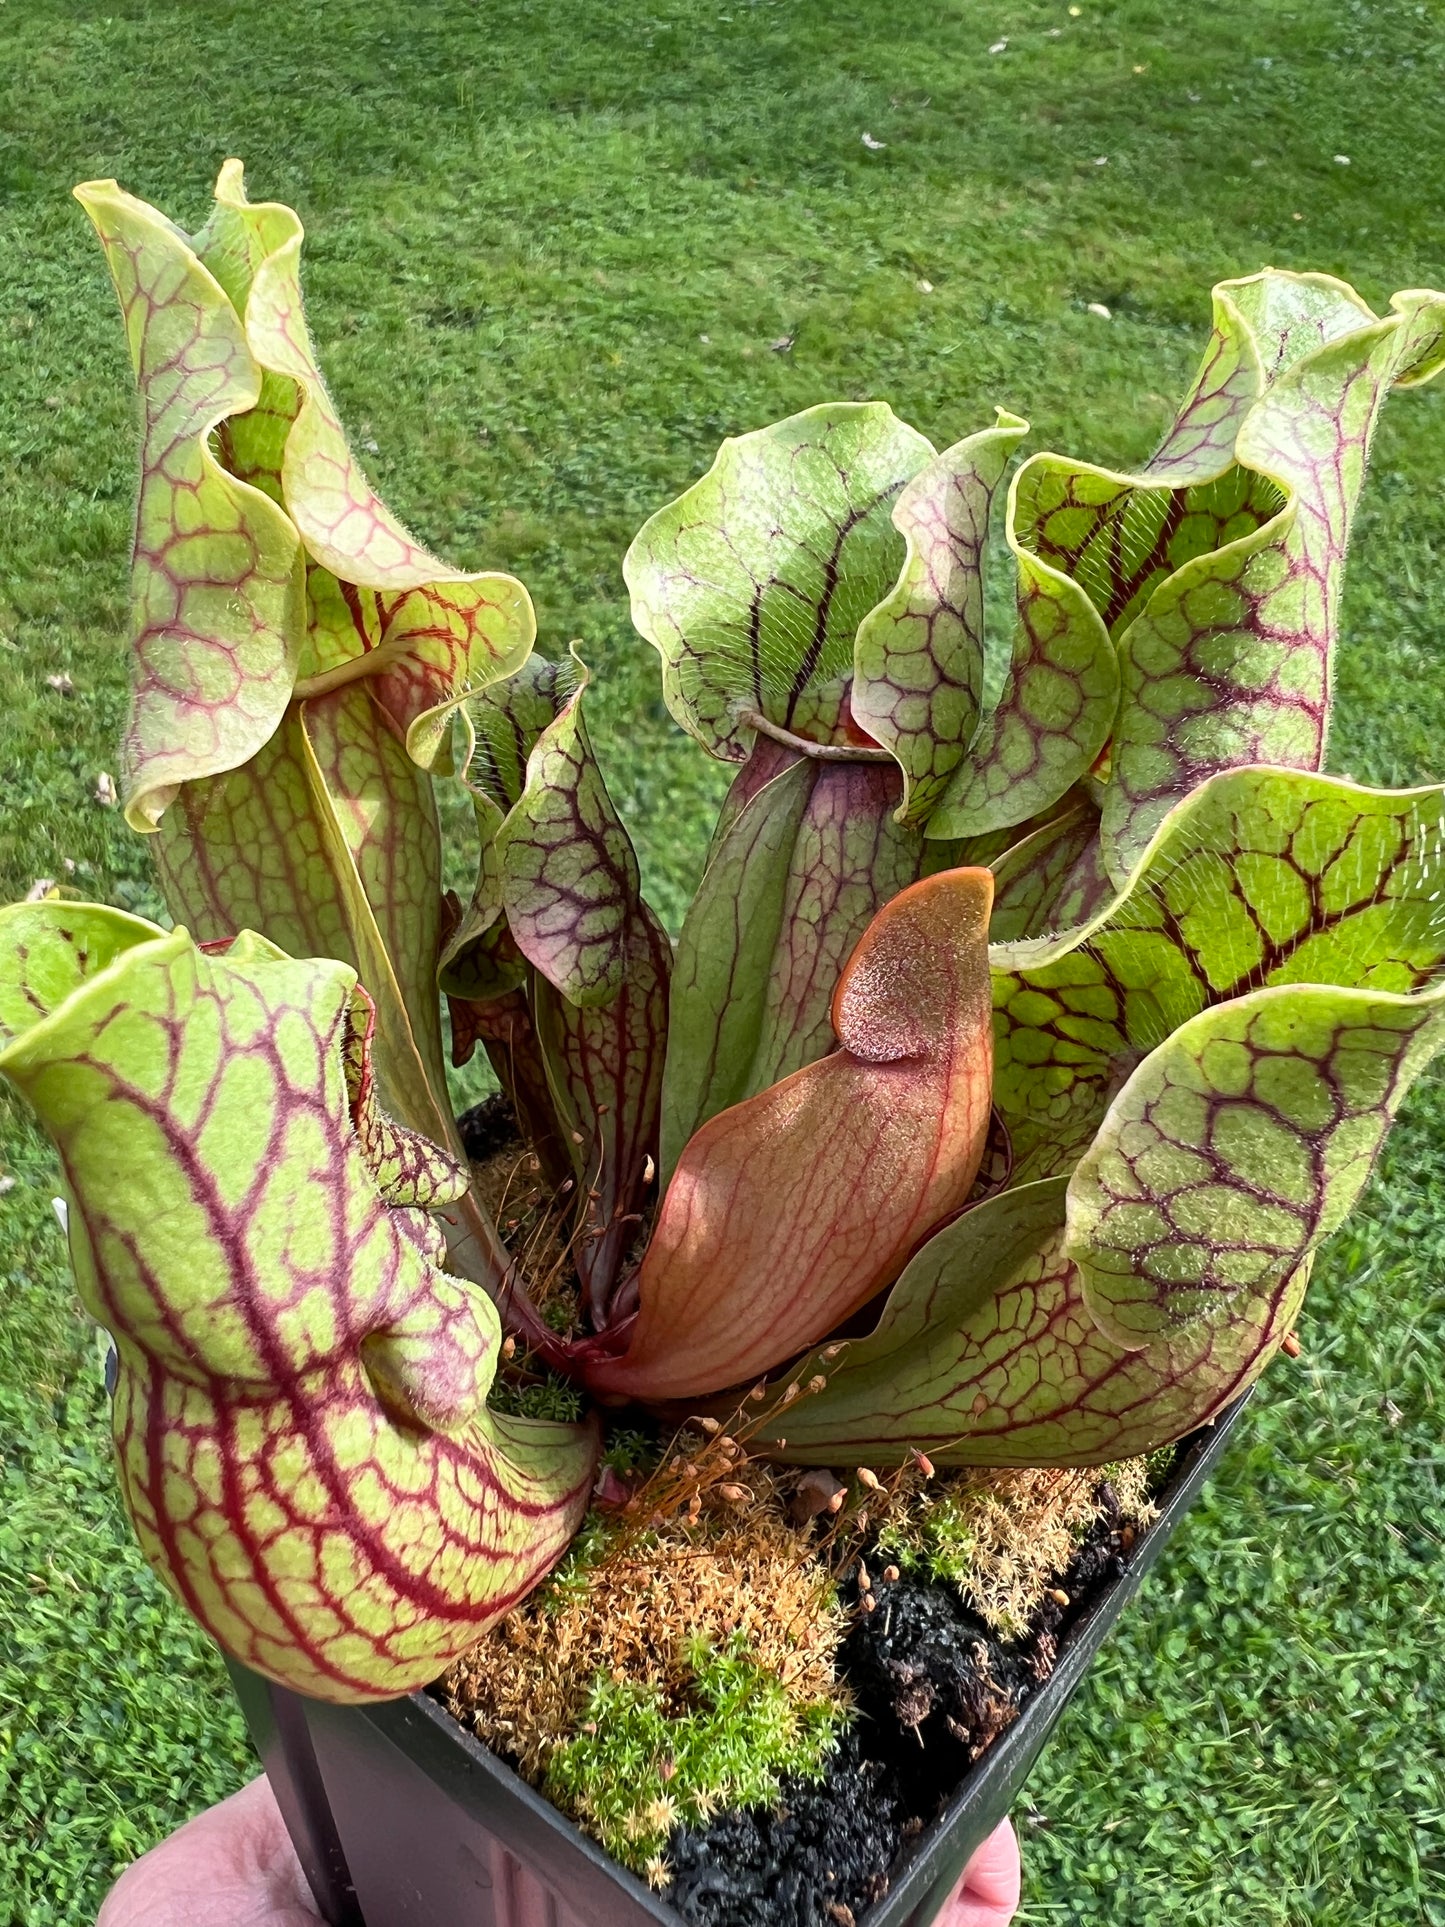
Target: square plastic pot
(402,1819)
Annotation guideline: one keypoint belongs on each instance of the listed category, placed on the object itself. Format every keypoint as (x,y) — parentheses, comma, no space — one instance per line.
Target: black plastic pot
(402,1819)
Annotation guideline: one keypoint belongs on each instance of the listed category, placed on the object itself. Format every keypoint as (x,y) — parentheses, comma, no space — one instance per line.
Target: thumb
(988,1894)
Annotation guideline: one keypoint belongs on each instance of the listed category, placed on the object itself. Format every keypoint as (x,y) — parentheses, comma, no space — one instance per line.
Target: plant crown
(1042,1007)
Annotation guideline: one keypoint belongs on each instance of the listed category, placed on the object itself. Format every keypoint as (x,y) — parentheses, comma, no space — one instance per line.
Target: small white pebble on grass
(1101,160)
(7,1184)
(873,146)
(1342,160)
(998,47)
(1098,308)
(105,790)
(923,287)
(61,684)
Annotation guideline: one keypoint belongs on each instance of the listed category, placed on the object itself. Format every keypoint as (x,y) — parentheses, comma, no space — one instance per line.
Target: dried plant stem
(820,752)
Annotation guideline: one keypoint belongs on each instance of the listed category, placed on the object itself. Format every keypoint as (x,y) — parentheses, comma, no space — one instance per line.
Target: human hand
(232,1866)
(988,1894)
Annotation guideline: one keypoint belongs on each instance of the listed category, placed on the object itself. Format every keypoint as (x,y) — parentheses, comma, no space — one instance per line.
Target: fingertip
(995,1873)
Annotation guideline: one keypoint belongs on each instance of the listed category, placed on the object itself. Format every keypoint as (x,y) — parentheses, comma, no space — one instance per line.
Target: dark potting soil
(822,1854)
(489,1127)
(934,1688)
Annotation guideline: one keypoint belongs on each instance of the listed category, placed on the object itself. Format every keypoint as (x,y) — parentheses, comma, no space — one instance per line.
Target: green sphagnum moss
(637,1766)
(527,217)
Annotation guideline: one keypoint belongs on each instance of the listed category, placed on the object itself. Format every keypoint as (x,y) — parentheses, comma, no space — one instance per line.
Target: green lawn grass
(552,247)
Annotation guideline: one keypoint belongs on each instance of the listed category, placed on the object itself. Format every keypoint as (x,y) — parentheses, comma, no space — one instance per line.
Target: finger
(988,1894)
(264,1844)
(994,1875)
(233,1863)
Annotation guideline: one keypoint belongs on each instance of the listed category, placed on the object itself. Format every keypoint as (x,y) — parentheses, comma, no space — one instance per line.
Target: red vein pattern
(220,343)
(300,1416)
(216,568)
(559,893)
(605,1070)
(479,958)
(408,1168)
(787,1212)
(571,890)
(1228,659)
(918,662)
(1236,1148)
(986,1354)
(327,841)
(313,825)
(1060,692)
(1052,879)
(751,586)
(1263,877)
(569,875)
(792,884)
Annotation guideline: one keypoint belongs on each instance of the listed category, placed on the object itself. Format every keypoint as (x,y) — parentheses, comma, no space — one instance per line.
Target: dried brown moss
(626,1607)
(535,1223)
(717,1554)
(1003,1537)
